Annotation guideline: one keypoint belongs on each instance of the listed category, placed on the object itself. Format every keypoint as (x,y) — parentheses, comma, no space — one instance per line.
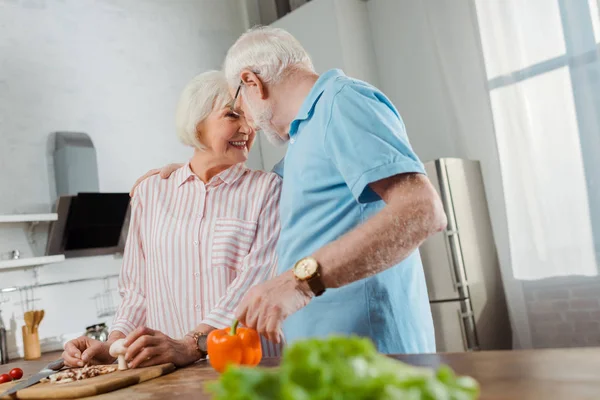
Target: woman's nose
(245,127)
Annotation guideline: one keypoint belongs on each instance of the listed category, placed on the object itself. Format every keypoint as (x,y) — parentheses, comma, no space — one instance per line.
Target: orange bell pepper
(239,346)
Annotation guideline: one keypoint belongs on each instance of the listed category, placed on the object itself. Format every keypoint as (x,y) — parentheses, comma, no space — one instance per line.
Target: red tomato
(16,373)
(5,378)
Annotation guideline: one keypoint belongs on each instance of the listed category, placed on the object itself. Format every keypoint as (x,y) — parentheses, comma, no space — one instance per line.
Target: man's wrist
(302,287)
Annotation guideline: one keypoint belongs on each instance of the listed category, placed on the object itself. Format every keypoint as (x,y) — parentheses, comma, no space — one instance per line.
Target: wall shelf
(30,262)
(15,218)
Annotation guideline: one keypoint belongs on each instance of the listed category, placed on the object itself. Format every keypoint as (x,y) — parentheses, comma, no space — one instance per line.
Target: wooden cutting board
(92,386)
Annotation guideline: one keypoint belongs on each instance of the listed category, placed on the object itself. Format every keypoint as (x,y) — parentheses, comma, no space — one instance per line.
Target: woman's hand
(84,350)
(146,347)
(164,172)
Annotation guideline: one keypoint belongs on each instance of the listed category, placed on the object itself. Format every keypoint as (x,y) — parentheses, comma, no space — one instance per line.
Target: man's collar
(313,97)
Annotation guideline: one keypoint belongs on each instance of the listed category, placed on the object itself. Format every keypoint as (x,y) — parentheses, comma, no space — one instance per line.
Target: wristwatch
(200,340)
(308,269)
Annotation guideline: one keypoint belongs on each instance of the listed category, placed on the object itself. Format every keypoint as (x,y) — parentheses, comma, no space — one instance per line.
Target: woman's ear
(199,130)
(253,82)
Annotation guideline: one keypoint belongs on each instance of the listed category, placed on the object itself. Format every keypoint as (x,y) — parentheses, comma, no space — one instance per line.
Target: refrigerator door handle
(461,322)
(452,234)
(469,340)
(457,281)
(451,265)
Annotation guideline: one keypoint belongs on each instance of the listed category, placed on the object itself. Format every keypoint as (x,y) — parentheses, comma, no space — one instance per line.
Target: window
(542,61)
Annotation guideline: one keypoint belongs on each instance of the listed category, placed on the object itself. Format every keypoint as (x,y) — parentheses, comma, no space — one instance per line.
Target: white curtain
(541,59)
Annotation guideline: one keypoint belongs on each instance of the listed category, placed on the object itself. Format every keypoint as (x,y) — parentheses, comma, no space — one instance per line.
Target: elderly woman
(197,241)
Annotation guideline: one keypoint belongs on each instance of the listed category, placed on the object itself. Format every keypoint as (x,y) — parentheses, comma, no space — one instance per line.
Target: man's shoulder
(347,96)
(343,86)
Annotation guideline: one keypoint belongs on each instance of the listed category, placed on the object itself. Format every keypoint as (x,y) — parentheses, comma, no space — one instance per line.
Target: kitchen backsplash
(564,312)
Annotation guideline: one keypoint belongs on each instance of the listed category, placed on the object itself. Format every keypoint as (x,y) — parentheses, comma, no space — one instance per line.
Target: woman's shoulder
(259,178)
(155,184)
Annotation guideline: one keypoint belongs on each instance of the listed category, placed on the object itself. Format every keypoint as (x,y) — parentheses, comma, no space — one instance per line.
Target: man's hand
(164,172)
(84,350)
(147,347)
(267,305)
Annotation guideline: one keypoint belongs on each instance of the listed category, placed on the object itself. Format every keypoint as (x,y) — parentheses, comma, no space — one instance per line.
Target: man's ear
(253,82)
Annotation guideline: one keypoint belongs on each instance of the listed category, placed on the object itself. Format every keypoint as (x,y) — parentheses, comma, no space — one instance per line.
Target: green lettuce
(341,368)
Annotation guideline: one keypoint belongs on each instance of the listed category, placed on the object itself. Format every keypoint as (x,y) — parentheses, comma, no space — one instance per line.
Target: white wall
(112,69)
(336,34)
(431,66)
(426,56)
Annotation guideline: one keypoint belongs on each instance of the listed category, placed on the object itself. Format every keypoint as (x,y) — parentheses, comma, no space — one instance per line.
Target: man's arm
(413,212)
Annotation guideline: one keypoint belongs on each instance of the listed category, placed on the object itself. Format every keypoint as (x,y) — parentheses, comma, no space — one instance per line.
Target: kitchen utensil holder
(31,344)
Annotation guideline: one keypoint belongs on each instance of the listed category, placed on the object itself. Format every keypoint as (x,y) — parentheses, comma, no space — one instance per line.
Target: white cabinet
(31,219)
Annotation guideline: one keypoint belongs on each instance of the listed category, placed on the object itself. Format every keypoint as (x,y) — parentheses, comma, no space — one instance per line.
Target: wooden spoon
(29,318)
(39,319)
(36,317)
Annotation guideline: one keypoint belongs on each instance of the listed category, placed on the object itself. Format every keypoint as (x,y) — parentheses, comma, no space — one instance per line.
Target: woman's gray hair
(204,93)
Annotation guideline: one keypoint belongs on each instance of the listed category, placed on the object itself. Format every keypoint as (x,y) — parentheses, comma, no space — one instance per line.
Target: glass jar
(97,332)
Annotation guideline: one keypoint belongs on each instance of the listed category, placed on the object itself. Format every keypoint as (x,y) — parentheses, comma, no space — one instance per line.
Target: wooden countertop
(523,375)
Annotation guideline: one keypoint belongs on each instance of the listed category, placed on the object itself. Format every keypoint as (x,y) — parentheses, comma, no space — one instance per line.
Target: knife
(44,373)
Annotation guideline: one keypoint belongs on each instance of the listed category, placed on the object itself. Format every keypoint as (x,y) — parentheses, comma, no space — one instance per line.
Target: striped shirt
(194,249)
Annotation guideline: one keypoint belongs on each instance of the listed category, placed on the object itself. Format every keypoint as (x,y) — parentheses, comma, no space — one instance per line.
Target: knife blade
(50,369)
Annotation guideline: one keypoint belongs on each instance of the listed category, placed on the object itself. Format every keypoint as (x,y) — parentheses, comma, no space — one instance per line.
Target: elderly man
(355,202)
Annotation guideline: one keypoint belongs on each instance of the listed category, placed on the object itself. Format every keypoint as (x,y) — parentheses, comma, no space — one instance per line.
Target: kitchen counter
(523,375)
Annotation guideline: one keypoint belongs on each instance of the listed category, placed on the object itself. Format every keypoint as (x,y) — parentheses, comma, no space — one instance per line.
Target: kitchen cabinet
(32,220)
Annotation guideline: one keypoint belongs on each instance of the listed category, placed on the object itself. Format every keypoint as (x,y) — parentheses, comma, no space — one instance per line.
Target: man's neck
(290,94)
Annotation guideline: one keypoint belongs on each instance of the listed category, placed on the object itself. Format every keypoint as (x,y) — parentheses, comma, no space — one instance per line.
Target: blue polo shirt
(347,135)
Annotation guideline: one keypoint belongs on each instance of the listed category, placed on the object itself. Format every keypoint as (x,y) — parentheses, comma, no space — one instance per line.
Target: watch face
(305,268)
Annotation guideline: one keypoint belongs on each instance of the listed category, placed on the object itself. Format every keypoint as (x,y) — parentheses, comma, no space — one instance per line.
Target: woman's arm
(132,281)
(258,266)
(132,310)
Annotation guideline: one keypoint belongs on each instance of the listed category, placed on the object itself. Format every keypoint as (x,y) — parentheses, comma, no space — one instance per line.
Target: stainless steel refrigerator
(461,266)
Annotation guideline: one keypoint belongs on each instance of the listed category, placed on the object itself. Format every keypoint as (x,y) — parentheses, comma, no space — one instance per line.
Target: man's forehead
(241,106)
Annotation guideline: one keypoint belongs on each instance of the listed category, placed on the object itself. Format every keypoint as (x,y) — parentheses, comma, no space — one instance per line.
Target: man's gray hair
(270,52)
(204,93)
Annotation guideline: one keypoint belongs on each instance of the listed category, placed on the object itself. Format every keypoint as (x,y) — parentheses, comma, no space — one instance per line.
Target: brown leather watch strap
(316,284)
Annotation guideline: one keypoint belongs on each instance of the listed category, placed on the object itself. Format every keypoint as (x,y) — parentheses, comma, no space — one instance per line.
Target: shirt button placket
(199,214)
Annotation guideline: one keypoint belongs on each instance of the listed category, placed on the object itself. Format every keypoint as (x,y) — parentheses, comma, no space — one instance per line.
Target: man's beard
(262,120)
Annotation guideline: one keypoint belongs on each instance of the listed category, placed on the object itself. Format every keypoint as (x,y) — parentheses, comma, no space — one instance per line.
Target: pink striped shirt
(195,249)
